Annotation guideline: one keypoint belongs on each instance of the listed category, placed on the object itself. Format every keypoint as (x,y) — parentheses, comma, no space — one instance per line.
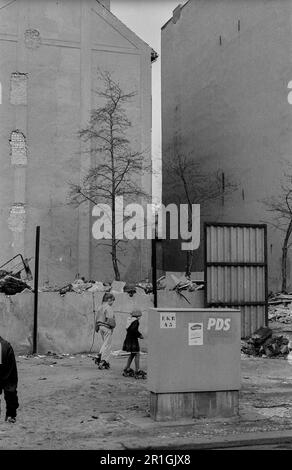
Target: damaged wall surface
(225,71)
(65,323)
(50,53)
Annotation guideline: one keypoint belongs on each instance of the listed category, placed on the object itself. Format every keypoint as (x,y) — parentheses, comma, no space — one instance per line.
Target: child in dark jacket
(131,345)
(8,379)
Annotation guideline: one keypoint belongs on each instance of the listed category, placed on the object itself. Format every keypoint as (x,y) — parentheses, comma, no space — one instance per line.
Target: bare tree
(191,185)
(115,165)
(281,207)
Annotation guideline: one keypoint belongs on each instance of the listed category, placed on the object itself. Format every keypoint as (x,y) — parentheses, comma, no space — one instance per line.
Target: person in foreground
(8,379)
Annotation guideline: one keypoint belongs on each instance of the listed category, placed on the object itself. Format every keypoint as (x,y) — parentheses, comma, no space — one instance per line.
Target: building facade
(226,66)
(50,53)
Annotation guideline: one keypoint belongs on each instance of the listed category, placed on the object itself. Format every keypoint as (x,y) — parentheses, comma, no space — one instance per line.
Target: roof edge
(170,19)
(153,53)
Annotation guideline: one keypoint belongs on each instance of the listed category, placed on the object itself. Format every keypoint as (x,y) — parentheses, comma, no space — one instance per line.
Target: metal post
(36,286)
(154,277)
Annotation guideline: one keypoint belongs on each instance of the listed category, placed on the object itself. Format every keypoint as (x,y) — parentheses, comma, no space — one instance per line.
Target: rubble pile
(81,285)
(4,273)
(280,307)
(263,343)
(11,285)
(146,286)
(183,283)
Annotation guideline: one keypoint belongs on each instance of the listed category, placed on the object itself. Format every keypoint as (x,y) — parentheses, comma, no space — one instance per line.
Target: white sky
(145,18)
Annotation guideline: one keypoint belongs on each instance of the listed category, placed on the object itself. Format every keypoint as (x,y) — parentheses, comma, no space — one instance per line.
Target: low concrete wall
(66,323)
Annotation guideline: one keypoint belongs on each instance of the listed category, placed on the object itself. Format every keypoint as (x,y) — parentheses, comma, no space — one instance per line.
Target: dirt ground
(67,403)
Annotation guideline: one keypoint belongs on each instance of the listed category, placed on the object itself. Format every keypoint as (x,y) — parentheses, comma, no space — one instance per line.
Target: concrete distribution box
(193,350)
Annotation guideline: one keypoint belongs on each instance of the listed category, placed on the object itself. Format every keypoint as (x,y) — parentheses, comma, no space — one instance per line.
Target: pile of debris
(11,282)
(11,285)
(263,343)
(280,307)
(183,283)
(187,284)
(81,285)
(143,287)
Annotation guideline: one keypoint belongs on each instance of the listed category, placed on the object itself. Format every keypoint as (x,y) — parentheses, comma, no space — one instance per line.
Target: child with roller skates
(131,345)
(105,324)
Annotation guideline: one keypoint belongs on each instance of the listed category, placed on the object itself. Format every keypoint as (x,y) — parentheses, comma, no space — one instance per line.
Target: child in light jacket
(105,324)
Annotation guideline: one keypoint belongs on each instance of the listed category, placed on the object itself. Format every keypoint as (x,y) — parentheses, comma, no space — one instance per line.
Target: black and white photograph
(145,228)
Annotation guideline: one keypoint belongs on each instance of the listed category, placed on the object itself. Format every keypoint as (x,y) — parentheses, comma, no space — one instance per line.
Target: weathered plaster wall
(65,323)
(225,69)
(49,56)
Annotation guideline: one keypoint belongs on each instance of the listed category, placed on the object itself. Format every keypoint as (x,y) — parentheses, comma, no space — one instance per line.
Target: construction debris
(280,298)
(131,289)
(11,282)
(97,287)
(79,286)
(140,291)
(161,283)
(11,285)
(17,267)
(146,286)
(118,287)
(264,344)
(141,288)
(183,283)
(280,308)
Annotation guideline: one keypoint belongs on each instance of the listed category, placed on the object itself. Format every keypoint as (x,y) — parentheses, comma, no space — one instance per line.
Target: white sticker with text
(196,334)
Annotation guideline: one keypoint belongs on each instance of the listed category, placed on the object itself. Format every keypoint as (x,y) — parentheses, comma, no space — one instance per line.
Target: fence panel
(236,271)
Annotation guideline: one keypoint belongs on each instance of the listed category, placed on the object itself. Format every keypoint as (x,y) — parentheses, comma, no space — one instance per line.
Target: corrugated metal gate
(236,271)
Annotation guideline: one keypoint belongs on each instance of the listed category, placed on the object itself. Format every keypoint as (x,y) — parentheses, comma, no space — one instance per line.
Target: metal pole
(154,277)
(36,286)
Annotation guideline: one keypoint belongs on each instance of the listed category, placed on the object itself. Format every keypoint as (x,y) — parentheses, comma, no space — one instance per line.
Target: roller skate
(128,373)
(10,419)
(141,374)
(104,365)
(97,359)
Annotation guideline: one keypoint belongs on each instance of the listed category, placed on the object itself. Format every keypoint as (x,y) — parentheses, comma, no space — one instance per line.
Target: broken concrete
(280,307)
(117,287)
(264,343)
(11,285)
